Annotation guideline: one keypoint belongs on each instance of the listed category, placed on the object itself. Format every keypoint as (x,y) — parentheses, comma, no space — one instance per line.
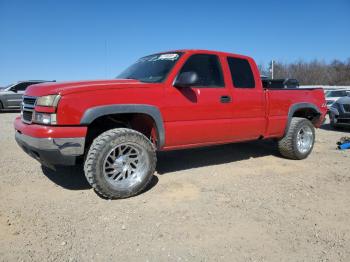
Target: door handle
(225,99)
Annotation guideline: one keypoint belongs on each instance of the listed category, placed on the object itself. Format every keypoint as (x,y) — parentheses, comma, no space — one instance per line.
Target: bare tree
(315,72)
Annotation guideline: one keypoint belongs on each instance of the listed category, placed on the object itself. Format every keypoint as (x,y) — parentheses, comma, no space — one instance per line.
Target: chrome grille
(29,100)
(346,107)
(27,108)
(27,116)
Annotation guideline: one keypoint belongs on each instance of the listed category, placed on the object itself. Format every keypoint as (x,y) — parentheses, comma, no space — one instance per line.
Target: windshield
(152,68)
(338,93)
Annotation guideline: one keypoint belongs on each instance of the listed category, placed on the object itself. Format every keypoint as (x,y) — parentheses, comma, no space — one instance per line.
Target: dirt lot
(239,202)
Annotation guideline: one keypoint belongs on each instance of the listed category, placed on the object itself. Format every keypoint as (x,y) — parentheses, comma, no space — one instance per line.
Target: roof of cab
(198,51)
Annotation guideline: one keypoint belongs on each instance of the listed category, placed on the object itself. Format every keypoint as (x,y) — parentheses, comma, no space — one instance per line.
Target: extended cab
(173,100)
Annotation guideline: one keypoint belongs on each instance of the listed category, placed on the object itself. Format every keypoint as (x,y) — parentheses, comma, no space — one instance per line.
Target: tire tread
(286,144)
(97,146)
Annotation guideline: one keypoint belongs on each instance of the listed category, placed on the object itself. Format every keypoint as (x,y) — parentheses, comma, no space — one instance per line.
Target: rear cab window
(241,72)
(208,69)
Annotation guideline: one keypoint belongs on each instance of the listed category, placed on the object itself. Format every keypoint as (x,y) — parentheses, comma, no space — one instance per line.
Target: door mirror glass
(186,79)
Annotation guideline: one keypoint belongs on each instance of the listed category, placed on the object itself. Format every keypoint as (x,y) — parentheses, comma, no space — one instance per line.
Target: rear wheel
(120,163)
(299,139)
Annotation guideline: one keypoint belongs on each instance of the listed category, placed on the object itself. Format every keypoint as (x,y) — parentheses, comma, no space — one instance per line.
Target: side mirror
(186,79)
(14,90)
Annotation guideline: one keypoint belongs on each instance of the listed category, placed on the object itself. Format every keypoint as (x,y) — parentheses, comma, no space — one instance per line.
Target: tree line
(315,72)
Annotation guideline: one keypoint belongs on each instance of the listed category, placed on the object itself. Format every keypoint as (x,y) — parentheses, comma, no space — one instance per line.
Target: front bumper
(50,150)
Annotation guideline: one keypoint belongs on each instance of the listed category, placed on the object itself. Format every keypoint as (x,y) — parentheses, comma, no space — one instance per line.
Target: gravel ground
(239,202)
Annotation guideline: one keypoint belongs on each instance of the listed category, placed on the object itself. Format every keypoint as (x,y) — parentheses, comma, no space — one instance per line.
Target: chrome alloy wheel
(125,165)
(305,139)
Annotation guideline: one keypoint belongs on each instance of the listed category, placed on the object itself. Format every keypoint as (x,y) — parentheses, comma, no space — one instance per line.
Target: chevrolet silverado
(165,101)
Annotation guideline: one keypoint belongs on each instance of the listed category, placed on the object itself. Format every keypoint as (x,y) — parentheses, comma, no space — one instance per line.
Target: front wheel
(299,139)
(120,163)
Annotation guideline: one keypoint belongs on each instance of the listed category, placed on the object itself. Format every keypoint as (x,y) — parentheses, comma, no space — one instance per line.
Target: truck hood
(63,88)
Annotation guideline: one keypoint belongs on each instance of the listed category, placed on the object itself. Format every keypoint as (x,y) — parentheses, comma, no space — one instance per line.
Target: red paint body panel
(41,131)
(280,101)
(192,116)
(64,88)
(45,109)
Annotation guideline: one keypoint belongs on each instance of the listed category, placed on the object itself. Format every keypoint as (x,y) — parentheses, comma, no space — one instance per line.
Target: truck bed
(279,102)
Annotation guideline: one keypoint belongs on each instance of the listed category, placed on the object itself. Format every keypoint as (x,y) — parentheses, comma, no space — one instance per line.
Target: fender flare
(295,107)
(95,112)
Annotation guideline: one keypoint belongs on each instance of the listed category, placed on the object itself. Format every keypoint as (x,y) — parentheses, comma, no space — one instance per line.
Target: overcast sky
(71,40)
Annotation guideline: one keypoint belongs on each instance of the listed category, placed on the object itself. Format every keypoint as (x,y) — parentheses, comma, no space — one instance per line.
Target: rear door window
(208,69)
(241,72)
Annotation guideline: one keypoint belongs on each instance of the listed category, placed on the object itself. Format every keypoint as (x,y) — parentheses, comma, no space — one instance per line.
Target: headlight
(44,118)
(51,100)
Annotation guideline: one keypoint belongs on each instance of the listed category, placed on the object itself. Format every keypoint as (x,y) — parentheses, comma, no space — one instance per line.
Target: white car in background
(334,95)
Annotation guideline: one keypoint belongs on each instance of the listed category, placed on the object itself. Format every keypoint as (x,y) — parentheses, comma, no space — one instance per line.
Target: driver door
(200,114)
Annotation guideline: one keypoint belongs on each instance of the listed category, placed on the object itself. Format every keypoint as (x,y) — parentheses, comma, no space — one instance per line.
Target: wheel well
(142,123)
(308,113)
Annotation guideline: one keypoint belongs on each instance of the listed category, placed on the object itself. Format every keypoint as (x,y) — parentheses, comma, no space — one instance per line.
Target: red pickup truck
(165,101)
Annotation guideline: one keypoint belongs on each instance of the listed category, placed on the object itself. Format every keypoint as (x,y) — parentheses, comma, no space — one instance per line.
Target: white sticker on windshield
(168,57)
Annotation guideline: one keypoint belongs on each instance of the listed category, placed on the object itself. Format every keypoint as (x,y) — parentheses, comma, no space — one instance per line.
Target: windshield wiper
(125,78)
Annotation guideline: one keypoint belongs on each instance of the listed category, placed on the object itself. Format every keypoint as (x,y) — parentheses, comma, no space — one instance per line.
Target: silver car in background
(339,113)
(11,95)
(333,95)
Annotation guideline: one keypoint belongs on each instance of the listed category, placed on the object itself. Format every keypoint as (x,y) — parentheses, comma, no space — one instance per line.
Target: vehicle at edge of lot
(278,83)
(11,95)
(165,101)
(333,95)
(339,113)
